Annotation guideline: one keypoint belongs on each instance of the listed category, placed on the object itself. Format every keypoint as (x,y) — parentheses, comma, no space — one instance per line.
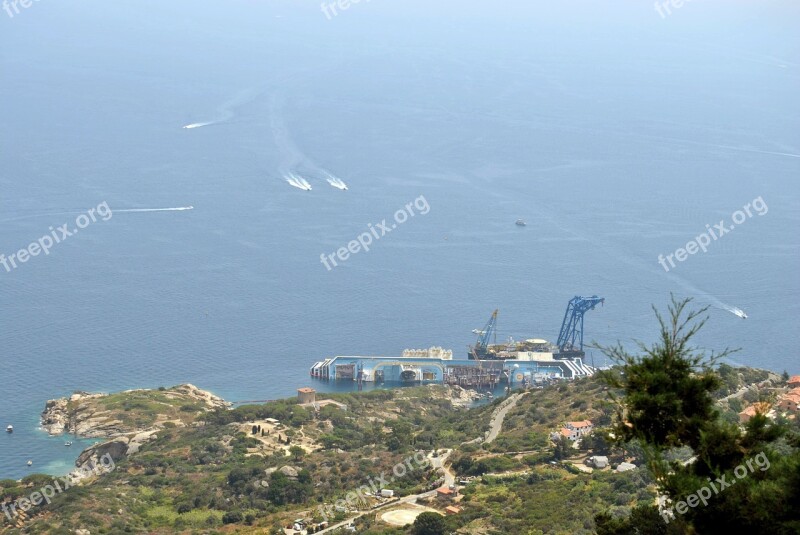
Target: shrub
(232,517)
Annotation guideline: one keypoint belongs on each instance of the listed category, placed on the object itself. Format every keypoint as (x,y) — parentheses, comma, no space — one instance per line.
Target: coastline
(52,458)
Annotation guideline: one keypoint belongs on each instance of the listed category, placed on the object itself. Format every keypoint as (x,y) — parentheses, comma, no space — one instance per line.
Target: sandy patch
(406,515)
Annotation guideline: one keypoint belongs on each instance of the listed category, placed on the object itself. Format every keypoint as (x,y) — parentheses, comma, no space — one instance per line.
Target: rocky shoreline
(80,416)
(123,431)
(87,415)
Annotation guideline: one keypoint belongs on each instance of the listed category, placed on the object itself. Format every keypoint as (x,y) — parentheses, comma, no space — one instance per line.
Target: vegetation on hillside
(669,410)
(748,478)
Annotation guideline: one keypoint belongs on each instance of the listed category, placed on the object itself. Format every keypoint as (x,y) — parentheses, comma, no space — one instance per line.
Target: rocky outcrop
(192,392)
(101,457)
(462,397)
(88,415)
(63,415)
(289,471)
(81,414)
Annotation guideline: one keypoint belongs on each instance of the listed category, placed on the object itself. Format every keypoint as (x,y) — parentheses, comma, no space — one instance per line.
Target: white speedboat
(520,223)
(10,429)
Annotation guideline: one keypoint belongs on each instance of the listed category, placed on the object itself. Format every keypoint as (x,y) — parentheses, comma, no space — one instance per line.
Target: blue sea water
(615,133)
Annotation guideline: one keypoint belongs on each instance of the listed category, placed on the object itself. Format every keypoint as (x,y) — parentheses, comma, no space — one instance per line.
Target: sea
(618,133)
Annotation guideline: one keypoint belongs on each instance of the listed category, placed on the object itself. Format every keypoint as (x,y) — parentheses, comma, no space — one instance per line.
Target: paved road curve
(496,423)
(495,426)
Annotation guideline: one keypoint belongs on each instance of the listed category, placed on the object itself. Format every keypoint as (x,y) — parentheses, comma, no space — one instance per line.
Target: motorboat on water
(68,444)
(10,429)
(520,223)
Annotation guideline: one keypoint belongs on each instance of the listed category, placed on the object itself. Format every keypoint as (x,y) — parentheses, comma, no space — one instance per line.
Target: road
(742,391)
(436,462)
(496,423)
(495,426)
(439,462)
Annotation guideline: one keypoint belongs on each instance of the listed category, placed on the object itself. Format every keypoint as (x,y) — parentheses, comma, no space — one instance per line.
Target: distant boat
(337,183)
(68,444)
(30,463)
(739,312)
(520,223)
(298,182)
(10,429)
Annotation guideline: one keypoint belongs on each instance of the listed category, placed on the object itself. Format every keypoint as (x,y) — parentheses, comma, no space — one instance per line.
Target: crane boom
(570,338)
(487,334)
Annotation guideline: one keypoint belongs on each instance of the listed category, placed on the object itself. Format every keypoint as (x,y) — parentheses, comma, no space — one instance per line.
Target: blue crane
(481,347)
(572,326)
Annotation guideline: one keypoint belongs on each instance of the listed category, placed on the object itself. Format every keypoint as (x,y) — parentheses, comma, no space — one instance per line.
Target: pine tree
(665,401)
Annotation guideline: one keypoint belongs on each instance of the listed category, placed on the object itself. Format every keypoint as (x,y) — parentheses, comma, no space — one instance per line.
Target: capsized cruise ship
(436,365)
(532,361)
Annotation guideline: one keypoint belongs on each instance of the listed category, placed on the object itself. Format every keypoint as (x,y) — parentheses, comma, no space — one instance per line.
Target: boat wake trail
(34,216)
(198,125)
(294,161)
(735,310)
(622,255)
(337,183)
(78,212)
(226,111)
(298,182)
(132,210)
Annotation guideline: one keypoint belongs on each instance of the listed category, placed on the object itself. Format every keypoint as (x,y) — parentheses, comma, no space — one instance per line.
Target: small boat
(68,444)
(30,463)
(520,223)
(10,429)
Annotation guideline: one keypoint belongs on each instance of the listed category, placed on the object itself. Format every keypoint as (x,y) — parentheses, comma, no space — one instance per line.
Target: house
(789,402)
(598,461)
(583,427)
(445,493)
(794,381)
(452,510)
(575,430)
(752,410)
